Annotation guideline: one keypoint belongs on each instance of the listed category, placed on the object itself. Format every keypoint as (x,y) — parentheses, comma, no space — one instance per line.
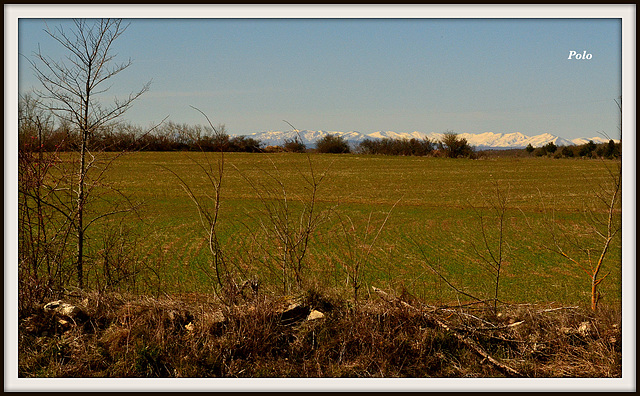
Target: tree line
(168,136)
(609,150)
(37,132)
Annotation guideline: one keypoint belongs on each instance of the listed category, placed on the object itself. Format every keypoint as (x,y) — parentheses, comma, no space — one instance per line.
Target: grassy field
(426,211)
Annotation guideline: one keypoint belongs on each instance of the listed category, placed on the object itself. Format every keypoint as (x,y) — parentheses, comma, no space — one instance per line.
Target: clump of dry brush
(265,336)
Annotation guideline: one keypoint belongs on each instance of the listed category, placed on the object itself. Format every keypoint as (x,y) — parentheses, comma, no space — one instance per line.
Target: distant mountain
(275,138)
(487,140)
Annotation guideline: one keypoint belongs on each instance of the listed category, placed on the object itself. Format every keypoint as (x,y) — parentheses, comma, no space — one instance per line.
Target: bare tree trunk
(595,295)
(80,214)
(82,174)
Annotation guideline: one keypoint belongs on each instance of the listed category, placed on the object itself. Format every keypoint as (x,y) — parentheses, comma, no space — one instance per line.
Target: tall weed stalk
(208,206)
(288,221)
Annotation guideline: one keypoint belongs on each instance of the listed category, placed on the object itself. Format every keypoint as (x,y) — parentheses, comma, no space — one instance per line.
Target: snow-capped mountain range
(487,140)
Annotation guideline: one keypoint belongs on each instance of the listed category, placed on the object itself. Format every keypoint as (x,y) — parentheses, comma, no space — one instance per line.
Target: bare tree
(71,89)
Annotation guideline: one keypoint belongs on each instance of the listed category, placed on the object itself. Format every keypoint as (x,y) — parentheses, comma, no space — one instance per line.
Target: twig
(467,341)
(556,309)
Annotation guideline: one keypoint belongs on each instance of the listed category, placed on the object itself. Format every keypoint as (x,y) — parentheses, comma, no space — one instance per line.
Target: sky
(467,75)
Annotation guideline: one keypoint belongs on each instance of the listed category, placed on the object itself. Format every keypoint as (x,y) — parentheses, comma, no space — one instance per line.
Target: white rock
(62,308)
(315,315)
(584,329)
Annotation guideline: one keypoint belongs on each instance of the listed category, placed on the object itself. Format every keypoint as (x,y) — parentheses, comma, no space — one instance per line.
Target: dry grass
(193,336)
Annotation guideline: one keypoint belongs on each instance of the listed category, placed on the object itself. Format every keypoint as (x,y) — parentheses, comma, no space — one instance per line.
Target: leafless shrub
(288,222)
(119,264)
(44,229)
(208,205)
(358,247)
(587,245)
(494,247)
(491,251)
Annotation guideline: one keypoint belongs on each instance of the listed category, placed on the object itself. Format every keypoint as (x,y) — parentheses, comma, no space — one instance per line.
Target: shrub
(540,152)
(567,151)
(421,146)
(295,145)
(612,150)
(333,144)
(529,148)
(367,146)
(245,144)
(455,147)
(388,146)
(550,147)
(587,149)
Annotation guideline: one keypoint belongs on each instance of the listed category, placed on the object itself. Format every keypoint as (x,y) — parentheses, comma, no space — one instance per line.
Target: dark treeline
(39,134)
(609,150)
(388,146)
(168,136)
(451,146)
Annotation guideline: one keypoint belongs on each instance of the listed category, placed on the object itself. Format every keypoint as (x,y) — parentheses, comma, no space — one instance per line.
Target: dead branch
(556,309)
(465,340)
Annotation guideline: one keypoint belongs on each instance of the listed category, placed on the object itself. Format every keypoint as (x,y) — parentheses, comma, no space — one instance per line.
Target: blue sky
(367,75)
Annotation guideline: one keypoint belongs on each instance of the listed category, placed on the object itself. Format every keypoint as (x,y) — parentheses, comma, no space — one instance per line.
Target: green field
(434,223)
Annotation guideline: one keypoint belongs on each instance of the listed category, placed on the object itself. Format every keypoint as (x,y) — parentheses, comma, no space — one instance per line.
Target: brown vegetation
(197,337)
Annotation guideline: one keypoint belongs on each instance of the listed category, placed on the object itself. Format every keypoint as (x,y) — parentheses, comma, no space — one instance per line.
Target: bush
(333,144)
(612,150)
(455,147)
(586,149)
(388,146)
(550,147)
(567,151)
(529,148)
(540,152)
(295,145)
(245,144)
(208,143)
